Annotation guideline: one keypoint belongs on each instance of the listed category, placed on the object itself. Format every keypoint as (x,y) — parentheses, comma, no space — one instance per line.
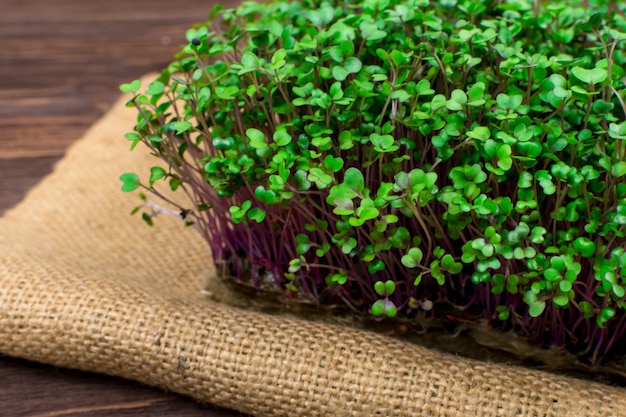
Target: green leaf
(552,274)
(481,133)
(130,182)
(370,32)
(503,312)
(333,164)
(423,88)
(303,91)
(340,73)
(265,196)
(561,300)
(347,48)
(536,308)
(182,127)
(559,86)
(438,102)
(321,179)
(379,287)
(336,54)
(175,183)
(345,140)
(529,149)
(585,246)
(338,278)
(249,59)
(156,173)
(565,286)
(616,130)
(156,88)
(300,180)
(323,250)
(401,95)
(618,169)
(344,206)
(536,305)
(367,213)
(256,137)
(147,218)
(390,287)
(375,266)
(383,143)
(390,308)
(476,93)
(378,308)
(294,265)
(238,214)
(418,279)
(336,91)
(303,244)
(413,258)
(353,65)
(398,58)
(257,214)
(525,180)
(282,137)
(505,161)
(226,92)
(436,273)
(606,314)
(590,76)
(383,55)
(458,99)
(353,178)
(223,144)
(586,308)
(131,87)
(278,59)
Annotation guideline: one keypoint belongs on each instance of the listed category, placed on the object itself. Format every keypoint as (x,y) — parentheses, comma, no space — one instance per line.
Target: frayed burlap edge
(84,285)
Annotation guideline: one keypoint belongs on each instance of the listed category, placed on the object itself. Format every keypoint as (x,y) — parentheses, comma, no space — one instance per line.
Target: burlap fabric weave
(84,285)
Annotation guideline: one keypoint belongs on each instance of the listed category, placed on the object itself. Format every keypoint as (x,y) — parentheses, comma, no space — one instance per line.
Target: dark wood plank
(17,175)
(60,66)
(53,392)
(61,63)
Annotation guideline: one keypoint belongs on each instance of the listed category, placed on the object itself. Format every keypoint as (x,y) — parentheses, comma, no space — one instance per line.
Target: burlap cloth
(84,285)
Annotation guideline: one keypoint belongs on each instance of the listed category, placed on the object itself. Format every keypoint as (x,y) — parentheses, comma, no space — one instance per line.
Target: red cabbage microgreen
(407,156)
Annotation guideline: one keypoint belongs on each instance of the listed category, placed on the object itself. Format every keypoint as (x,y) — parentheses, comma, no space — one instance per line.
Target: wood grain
(34,390)
(60,66)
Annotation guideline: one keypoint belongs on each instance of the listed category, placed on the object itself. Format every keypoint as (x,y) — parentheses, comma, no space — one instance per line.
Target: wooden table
(60,66)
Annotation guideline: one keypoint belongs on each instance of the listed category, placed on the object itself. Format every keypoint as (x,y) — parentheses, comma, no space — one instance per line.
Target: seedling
(375,153)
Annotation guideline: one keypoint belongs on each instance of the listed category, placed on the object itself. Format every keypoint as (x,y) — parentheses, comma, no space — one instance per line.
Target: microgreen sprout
(380,152)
